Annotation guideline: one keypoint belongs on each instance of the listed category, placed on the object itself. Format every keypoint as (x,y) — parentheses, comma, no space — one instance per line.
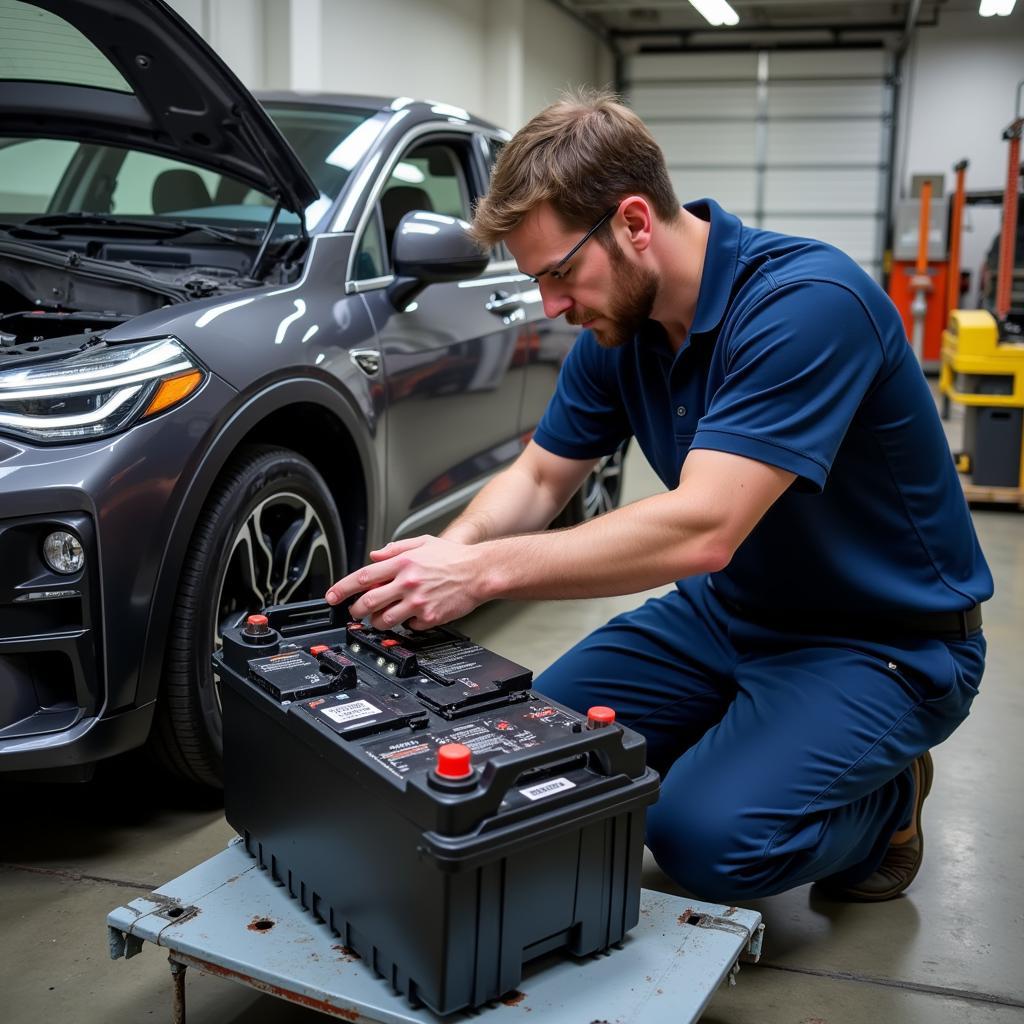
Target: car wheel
(601,491)
(269,534)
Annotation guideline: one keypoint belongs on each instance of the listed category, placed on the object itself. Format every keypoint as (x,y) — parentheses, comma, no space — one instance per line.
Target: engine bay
(69,284)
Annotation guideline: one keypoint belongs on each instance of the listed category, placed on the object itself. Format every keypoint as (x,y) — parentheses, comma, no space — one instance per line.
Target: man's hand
(425,581)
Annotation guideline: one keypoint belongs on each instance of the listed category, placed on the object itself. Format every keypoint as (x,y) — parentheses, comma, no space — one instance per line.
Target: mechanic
(824,631)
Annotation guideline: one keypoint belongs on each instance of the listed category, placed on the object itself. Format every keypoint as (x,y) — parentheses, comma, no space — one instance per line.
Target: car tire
(601,491)
(269,533)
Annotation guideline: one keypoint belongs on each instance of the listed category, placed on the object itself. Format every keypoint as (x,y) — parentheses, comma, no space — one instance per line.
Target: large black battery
(411,790)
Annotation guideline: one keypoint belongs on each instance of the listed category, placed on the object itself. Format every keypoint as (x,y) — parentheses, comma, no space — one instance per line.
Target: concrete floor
(950,950)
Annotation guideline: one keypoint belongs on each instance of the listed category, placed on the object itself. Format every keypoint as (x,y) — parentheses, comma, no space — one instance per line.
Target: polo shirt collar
(719,264)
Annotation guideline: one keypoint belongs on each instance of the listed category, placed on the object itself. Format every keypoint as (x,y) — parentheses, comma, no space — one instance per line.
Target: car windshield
(60,176)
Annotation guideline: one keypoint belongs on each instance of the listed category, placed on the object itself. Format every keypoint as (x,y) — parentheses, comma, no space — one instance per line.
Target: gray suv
(241,343)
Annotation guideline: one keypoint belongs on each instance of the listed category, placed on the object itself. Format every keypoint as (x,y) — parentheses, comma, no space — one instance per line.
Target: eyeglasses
(555,271)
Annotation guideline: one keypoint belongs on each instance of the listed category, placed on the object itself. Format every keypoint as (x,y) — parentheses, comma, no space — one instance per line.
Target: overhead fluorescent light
(990,7)
(718,12)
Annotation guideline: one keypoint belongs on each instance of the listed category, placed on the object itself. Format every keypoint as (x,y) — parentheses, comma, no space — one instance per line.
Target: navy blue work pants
(784,757)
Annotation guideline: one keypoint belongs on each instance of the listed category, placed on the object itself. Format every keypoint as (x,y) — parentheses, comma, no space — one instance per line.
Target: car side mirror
(430,248)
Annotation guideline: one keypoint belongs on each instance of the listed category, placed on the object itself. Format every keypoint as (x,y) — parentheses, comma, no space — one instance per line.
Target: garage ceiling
(647,24)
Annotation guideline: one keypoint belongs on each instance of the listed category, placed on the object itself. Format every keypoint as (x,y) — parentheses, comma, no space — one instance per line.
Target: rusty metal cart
(226,917)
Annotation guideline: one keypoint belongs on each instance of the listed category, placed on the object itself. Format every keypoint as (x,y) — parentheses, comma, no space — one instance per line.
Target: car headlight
(96,392)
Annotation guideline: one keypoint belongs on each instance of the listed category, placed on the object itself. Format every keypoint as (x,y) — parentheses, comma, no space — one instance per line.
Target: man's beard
(629,309)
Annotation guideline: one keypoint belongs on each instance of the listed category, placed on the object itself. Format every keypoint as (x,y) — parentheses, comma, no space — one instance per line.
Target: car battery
(411,790)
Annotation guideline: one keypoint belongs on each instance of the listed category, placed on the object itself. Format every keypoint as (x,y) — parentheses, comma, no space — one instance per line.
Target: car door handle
(367,359)
(508,307)
(501,304)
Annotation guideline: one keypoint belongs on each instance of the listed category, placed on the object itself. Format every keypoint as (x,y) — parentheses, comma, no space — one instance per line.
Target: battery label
(291,675)
(282,662)
(548,788)
(342,713)
(508,732)
(399,757)
(453,662)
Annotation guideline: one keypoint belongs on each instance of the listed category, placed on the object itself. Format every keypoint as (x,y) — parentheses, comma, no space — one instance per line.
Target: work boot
(903,858)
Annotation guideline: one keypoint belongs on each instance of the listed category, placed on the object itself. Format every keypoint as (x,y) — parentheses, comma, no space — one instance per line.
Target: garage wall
(957,97)
(235,27)
(426,50)
(501,59)
(558,53)
(793,141)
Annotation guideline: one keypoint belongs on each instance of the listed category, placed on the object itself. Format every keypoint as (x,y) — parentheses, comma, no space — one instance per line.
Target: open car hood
(154,85)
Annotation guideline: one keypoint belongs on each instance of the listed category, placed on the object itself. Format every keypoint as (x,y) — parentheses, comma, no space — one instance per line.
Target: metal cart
(227,918)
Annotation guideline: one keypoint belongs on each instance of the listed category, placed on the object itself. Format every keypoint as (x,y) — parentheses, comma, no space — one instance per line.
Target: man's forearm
(510,503)
(427,581)
(693,529)
(647,544)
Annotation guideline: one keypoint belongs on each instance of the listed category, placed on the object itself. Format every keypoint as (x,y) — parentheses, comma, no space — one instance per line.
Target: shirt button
(680,410)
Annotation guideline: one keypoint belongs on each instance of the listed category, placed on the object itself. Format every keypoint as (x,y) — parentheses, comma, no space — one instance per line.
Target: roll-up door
(790,140)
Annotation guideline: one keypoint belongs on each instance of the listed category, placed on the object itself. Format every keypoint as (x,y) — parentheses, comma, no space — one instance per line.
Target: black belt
(938,625)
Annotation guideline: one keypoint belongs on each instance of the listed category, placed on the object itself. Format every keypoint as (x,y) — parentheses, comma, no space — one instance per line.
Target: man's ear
(636,212)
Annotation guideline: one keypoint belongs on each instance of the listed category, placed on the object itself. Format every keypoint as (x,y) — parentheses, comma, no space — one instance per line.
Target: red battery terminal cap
(318,649)
(257,624)
(389,643)
(599,716)
(453,761)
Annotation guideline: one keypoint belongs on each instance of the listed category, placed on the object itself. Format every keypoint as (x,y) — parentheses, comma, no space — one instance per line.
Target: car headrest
(400,200)
(179,189)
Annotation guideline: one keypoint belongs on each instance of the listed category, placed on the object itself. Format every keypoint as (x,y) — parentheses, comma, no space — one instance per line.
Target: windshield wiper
(28,231)
(166,227)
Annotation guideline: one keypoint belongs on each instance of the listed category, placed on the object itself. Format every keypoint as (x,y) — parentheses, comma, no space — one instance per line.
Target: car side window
(431,176)
(494,146)
(371,260)
(30,171)
(149,184)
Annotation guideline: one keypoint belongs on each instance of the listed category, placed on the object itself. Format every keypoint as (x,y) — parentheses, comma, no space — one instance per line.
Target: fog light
(63,552)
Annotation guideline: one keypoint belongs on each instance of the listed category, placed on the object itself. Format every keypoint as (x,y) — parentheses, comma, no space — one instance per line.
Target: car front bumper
(71,646)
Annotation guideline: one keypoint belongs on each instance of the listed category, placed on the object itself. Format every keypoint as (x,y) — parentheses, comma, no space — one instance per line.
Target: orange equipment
(1008,239)
(955,227)
(919,278)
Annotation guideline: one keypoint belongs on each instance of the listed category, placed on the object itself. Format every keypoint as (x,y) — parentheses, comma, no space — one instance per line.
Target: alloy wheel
(280,553)
(603,487)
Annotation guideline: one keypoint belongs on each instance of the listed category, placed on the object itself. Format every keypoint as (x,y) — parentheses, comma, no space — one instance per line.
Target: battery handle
(602,749)
(306,616)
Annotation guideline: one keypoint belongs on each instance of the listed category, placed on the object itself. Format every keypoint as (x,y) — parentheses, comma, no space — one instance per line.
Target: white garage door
(790,140)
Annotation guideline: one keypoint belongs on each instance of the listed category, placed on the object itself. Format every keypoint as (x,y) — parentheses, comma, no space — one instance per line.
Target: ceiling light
(718,12)
(989,7)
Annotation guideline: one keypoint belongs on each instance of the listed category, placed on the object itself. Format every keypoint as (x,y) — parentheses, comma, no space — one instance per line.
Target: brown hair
(581,155)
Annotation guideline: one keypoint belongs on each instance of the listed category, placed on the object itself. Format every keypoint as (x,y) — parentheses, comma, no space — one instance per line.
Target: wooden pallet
(1007,496)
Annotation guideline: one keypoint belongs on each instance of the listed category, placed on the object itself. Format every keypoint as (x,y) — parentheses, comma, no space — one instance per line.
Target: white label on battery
(549,788)
(342,713)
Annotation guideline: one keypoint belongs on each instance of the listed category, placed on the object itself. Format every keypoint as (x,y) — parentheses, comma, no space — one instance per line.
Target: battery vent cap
(453,761)
(599,716)
(257,627)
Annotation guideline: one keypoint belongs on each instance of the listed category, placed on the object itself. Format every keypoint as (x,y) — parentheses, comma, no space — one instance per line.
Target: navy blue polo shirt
(798,359)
